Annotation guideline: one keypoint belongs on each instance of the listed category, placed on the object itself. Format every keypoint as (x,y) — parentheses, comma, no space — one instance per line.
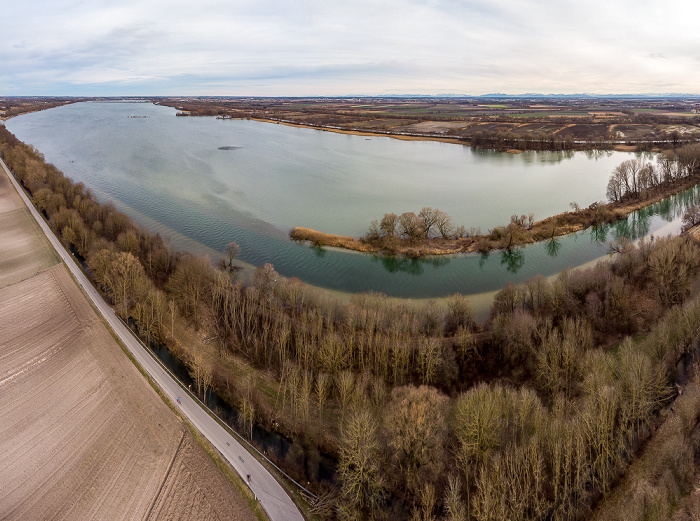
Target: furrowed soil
(23,250)
(82,433)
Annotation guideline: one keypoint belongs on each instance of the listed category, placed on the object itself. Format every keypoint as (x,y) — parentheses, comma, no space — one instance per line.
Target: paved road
(269,492)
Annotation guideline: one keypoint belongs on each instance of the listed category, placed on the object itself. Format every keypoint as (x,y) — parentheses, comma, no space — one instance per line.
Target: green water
(209,181)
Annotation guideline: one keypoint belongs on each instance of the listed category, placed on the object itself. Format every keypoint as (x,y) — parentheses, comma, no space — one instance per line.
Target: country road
(274,500)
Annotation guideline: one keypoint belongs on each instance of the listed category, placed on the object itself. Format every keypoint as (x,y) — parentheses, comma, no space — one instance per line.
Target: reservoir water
(204,182)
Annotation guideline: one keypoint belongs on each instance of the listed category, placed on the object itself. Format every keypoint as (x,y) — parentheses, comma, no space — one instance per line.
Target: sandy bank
(455,141)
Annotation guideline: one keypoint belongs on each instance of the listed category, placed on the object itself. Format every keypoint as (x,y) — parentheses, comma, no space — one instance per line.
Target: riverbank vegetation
(15,105)
(535,414)
(634,184)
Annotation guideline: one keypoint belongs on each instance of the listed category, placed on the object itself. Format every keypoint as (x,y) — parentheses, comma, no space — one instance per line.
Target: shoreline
(455,141)
(403,137)
(500,238)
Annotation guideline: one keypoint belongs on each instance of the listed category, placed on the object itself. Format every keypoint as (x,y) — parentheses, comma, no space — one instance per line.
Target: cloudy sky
(348,47)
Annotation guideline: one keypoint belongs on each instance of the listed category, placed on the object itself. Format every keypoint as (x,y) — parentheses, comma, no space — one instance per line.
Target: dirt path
(82,434)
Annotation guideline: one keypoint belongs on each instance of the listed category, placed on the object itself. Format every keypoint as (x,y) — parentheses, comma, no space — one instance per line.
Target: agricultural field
(487,122)
(84,436)
(21,105)
(23,250)
(587,121)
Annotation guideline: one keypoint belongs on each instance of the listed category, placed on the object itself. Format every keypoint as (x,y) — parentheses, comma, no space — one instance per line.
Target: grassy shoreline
(501,237)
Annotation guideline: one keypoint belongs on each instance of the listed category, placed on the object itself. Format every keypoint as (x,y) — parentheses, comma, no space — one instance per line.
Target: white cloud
(315,47)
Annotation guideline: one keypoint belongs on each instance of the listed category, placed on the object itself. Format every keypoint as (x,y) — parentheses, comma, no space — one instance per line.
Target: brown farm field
(82,433)
(527,122)
(556,123)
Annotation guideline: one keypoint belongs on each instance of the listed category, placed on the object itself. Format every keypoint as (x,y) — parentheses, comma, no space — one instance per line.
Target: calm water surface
(205,182)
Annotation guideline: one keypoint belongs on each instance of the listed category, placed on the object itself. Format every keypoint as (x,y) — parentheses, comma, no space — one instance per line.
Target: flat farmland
(23,250)
(82,433)
(586,119)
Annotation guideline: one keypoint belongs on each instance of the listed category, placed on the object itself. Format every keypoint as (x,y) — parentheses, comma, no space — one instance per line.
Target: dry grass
(326,239)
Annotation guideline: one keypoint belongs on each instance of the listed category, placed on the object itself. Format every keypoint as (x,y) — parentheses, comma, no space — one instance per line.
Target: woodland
(539,412)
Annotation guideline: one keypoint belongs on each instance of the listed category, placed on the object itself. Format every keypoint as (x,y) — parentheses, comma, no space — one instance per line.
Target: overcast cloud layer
(349,47)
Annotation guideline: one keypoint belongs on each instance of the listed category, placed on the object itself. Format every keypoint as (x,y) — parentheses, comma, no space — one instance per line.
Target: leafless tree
(388,224)
(232,250)
(444,224)
(429,218)
(410,225)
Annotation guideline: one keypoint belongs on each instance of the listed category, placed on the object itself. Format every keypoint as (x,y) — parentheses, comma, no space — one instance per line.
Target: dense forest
(535,414)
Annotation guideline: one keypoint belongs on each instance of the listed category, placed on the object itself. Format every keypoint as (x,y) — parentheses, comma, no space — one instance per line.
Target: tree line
(504,139)
(636,179)
(428,223)
(531,415)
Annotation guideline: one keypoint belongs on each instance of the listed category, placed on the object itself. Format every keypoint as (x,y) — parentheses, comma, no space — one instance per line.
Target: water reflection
(400,264)
(318,251)
(482,259)
(527,157)
(596,154)
(636,226)
(553,247)
(412,266)
(513,259)
(664,208)
(599,234)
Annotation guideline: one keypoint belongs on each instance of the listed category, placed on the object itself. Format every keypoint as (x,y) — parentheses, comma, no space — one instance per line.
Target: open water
(204,182)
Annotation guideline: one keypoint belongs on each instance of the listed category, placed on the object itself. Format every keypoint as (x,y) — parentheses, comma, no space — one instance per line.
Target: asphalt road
(274,500)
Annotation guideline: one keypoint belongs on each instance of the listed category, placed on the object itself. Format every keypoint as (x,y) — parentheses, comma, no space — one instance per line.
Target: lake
(204,182)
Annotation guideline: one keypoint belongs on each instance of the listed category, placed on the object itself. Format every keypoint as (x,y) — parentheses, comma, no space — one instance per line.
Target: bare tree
(410,225)
(359,469)
(322,391)
(417,431)
(265,278)
(201,371)
(691,217)
(247,417)
(232,250)
(444,224)
(615,188)
(454,504)
(126,278)
(388,224)
(429,218)
(345,383)
(190,284)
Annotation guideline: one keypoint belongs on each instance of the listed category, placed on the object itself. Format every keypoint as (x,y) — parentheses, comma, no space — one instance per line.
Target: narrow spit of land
(504,237)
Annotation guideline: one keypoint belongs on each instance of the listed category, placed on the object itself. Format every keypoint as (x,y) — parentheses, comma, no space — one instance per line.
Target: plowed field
(82,434)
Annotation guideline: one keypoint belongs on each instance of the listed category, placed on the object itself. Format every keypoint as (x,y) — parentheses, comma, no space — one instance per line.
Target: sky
(347,47)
